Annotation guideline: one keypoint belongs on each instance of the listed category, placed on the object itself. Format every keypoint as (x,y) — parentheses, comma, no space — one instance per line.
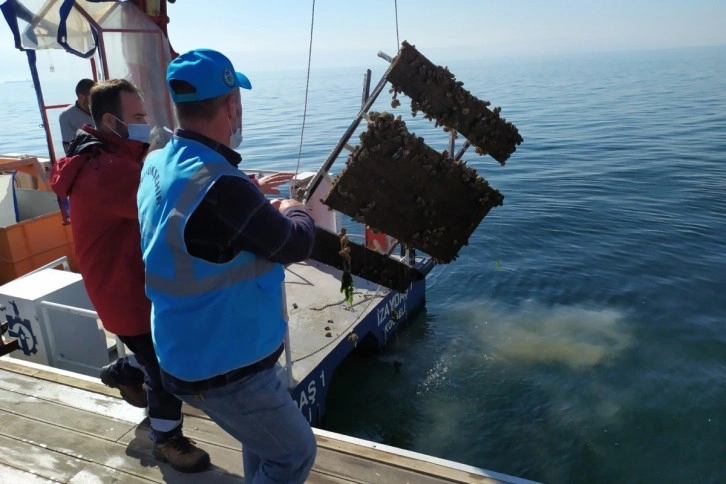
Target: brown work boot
(181,453)
(133,394)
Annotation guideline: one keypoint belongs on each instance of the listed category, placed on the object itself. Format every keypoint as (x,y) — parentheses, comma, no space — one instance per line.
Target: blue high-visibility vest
(207,318)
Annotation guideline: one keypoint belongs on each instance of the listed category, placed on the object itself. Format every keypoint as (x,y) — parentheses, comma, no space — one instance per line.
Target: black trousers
(164,408)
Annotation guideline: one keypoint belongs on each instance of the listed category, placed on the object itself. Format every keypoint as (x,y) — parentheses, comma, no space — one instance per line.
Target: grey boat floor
(313,300)
(57,426)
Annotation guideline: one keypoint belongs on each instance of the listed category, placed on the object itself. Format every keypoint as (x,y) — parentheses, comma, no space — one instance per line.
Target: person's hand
(268,184)
(283,203)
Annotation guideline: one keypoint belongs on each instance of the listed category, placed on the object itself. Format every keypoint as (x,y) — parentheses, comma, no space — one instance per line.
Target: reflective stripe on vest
(186,283)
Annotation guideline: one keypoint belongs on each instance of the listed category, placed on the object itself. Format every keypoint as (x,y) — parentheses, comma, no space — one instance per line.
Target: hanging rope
(307,86)
(398,40)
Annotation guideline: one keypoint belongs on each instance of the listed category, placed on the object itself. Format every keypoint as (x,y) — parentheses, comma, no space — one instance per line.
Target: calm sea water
(595,351)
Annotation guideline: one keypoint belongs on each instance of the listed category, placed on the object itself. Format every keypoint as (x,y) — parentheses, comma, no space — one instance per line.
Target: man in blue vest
(214,247)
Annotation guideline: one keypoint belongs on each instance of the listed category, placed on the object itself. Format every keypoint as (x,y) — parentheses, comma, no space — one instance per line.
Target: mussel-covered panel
(366,263)
(397,184)
(435,91)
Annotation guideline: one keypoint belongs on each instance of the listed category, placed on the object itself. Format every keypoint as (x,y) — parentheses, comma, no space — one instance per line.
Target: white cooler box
(50,315)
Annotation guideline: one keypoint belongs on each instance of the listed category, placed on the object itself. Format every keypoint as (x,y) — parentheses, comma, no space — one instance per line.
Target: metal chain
(345,331)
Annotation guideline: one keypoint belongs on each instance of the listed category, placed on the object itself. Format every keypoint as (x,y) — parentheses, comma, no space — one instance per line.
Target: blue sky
(274,34)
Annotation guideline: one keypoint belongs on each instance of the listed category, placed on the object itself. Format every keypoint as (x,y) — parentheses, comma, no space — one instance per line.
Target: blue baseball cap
(209,71)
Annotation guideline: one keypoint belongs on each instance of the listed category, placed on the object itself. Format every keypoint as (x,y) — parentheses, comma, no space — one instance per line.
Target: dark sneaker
(181,453)
(133,394)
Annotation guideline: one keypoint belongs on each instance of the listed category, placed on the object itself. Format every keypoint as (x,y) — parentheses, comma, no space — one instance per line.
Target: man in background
(75,116)
(101,176)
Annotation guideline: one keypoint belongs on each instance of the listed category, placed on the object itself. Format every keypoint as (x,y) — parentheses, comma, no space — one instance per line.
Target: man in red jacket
(100,176)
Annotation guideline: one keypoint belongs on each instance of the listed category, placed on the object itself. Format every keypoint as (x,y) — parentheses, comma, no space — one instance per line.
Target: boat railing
(52,265)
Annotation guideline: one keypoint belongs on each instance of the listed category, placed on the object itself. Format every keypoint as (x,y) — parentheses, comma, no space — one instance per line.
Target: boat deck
(323,328)
(57,426)
(319,318)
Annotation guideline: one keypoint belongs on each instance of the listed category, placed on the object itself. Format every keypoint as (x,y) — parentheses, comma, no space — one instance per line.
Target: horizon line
(508,56)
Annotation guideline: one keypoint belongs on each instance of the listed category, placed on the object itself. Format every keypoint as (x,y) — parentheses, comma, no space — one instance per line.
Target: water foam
(576,336)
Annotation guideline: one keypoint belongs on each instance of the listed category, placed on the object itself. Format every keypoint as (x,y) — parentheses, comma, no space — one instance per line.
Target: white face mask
(235,137)
(139,132)
(136,131)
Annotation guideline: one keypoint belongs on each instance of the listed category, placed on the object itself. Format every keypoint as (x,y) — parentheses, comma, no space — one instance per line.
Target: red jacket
(100,176)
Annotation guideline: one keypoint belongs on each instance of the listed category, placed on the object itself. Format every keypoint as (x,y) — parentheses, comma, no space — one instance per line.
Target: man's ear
(108,120)
(231,107)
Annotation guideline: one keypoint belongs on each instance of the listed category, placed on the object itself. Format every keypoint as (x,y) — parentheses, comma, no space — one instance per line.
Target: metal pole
(315,182)
(288,360)
(366,87)
(385,56)
(70,309)
(62,260)
(288,351)
(41,103)
(462,150)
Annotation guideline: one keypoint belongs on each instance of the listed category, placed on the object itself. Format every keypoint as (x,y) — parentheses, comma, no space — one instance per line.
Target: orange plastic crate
(32,243)
(36,241)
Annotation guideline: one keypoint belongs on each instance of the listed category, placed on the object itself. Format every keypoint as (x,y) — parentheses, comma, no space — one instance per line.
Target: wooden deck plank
(16,367)
(202,429)
(227,455)
(10,475)
(48,464)
(73,434)
(224,450)
(318,478)
(362,470)
(58,414)
(70,418)
(348,467)
(70,396)
(224,459)
(38,420)
(60,450)
(73,380)
(374,456)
